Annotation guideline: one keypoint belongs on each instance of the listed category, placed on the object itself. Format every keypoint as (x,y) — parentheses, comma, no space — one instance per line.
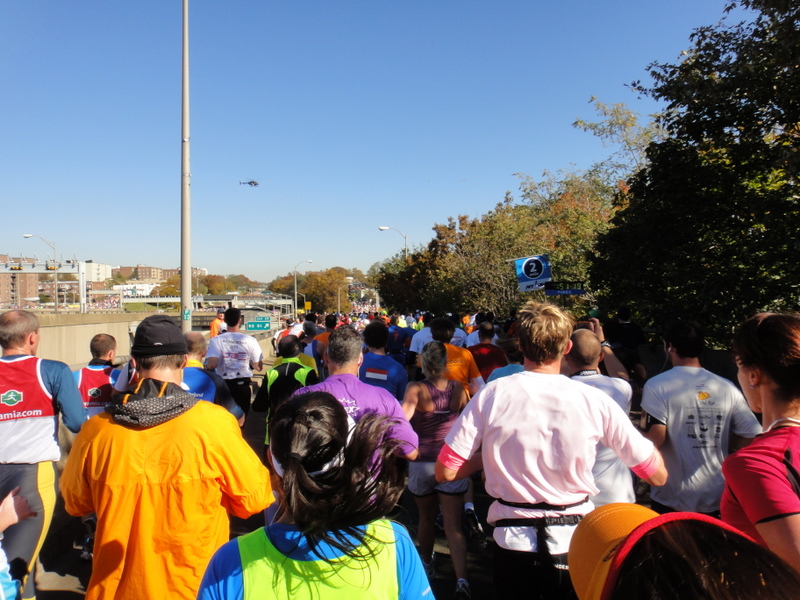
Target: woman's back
(432,426)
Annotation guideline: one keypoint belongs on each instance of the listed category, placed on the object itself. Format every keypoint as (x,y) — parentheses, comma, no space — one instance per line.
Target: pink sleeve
(450,459)
(646,468)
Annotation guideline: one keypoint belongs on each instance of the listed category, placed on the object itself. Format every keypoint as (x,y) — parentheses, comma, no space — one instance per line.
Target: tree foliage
(468,265)
(708,226)
(327,290)
(622,129)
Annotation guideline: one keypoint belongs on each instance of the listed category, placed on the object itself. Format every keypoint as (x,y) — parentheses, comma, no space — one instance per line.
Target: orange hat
(604,538)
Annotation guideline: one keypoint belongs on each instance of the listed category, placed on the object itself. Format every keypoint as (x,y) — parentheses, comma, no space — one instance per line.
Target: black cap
(158,335)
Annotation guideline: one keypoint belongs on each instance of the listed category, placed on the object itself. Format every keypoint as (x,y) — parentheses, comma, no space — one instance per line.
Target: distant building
(17,288)
(196,272)
(140,273)
(97,271)
(64,287)
(135,290)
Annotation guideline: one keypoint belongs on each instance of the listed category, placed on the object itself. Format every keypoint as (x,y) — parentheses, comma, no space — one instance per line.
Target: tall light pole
(186,210)
(308,260)
(405,239)
(55,260)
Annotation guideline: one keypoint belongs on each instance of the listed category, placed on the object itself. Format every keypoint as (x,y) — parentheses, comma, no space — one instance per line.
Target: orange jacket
(162,497)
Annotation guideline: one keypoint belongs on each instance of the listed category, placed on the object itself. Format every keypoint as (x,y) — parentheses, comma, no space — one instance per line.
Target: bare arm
(458,399)
(410,400)
(212,363)
(614,366)
(473,465)
(660,476)
(656,434)
(412,455)
(783,538)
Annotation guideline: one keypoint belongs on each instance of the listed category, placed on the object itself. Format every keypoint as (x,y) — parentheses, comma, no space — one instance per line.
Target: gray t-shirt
(701,411)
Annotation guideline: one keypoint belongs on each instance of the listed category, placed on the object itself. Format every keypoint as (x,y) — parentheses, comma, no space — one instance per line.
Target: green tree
(469,266)
(217,285)
(170,288)
(326,290)
(707,228)
(241,282)
(622,129)
(284,284)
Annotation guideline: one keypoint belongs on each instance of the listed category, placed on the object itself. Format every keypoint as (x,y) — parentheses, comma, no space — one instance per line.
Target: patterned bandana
(151,403)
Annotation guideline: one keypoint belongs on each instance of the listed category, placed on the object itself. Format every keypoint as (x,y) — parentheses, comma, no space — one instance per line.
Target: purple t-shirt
(359,398)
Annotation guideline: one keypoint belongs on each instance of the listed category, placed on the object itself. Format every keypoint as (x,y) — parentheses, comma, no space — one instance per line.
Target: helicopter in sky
(251,183)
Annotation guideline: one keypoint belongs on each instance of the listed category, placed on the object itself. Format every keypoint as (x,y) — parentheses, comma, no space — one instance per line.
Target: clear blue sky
(350,114)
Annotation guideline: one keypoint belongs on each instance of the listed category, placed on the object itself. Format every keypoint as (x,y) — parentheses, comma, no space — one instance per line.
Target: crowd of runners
(557,419)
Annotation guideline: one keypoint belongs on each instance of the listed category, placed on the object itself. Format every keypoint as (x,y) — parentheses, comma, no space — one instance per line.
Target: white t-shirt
(611,476)
(473,338)
(235,352)
(539,434)
(701,410)
(423,336)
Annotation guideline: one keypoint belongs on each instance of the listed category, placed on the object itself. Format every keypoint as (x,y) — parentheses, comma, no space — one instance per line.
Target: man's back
(160,494)
(611,476)
(32,391)
(359,398)
(235,352)
(384,372)
(700,411)
(96,385)
(488,357)
(461,365)
(539,434)
(281,381)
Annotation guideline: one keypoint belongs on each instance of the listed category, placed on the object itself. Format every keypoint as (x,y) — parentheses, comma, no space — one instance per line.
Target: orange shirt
(215,324)
(461,365)
(162,497)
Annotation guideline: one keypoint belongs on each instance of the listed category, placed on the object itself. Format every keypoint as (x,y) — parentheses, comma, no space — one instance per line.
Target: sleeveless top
(96,387)
(268,572)
(432,427)
(28,417)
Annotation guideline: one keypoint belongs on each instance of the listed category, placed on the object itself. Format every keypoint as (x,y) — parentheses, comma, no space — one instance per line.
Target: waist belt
(540,521)
(542,505)
(540,524)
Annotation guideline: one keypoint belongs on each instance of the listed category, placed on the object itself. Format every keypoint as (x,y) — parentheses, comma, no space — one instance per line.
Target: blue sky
(350,114)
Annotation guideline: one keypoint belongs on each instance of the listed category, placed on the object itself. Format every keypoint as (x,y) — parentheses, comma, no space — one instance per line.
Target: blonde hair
(544,330)
(433,360)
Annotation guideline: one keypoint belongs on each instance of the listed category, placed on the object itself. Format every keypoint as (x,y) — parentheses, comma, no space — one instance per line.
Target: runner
(330,538)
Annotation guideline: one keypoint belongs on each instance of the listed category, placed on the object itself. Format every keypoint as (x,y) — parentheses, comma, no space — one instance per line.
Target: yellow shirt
(162,497)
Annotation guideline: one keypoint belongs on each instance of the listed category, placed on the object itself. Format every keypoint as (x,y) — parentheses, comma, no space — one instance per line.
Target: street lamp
(55,259)
(308,260)
(186,177)
(405,239)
